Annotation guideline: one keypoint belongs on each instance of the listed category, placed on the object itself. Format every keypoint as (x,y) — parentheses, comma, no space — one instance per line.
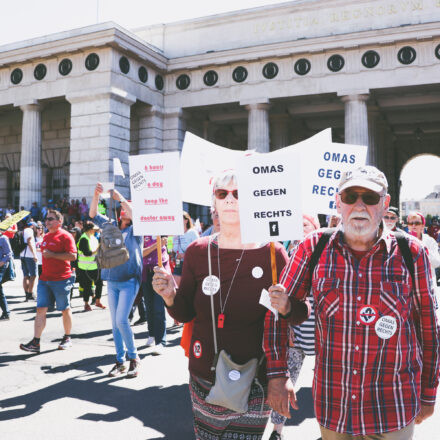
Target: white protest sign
(200,162)
(155,193)
(117,168)
(321,170)
(270,197)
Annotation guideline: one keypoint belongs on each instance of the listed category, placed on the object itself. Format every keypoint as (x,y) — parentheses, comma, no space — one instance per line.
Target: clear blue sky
(29,18)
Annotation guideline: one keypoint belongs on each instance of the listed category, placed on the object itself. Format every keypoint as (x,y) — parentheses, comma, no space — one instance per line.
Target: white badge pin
(234,375)
(386,327)
(257,272)
(210,285)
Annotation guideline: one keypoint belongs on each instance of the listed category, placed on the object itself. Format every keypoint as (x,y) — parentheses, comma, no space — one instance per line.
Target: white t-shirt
(38,241)
(28,233)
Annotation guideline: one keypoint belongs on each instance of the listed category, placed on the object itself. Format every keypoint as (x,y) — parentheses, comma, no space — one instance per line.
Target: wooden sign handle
(159,250)
(273,263)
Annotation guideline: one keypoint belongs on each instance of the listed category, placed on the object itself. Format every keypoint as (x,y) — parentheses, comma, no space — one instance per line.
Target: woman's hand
(163,285)
(279,299)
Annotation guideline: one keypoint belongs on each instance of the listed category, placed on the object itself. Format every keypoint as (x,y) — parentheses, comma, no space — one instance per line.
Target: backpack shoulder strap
(316,254)
(402,242)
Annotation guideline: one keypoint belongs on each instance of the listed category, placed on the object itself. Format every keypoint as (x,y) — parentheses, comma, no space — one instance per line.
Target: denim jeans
(3,300)
(121,295)
(155,306)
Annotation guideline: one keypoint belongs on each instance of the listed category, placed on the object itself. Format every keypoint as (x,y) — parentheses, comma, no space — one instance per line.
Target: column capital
(176,112)
(102,93)
(354,97)
(29,105)
(256,104)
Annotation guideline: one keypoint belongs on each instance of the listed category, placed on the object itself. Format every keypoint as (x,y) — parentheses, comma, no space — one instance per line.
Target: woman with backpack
(123,283)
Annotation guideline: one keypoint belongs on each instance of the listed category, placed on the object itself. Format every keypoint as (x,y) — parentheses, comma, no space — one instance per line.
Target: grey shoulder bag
(233,382)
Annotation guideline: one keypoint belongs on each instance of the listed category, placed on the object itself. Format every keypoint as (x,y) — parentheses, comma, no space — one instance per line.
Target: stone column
(174,129)
(150,129)
(30,165)
(280,131)
(100,131)
(374,137)
(258,126)
(356,119)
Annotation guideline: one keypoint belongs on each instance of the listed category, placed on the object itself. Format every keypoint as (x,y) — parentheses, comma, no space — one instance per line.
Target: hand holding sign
(163,285)
(279,299)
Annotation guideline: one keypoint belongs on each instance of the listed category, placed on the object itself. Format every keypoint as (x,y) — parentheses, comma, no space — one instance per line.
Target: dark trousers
(3,300)
(85,279)
(155,310)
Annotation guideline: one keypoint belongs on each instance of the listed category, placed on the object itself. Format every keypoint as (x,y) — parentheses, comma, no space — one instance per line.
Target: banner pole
(273,263)
(159,250)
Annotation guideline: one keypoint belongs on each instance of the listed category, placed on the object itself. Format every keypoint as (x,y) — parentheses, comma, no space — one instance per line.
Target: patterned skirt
(212,422)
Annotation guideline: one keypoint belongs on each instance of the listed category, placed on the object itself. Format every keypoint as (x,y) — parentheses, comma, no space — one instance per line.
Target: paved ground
(67,395)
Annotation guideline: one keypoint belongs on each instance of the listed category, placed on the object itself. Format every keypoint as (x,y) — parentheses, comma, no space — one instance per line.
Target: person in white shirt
(29,260)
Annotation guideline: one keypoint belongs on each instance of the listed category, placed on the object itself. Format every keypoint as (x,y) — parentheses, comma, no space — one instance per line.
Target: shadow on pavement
(152,406)
(306,411)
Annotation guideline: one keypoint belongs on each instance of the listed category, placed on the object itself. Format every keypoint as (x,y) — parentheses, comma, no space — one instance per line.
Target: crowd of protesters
(352,285)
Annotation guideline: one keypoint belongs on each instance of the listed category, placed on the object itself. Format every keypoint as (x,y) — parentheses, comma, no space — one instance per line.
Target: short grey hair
(220,181)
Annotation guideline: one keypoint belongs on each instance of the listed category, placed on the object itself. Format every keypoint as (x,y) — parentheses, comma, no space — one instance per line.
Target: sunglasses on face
(49,219)
(369,198)
(223,193)
(387,217)
(415,223)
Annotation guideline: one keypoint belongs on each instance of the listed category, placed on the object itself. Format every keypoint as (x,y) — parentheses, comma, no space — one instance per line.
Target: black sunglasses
(49,219)
(388,217)
(369,198)
(223,193)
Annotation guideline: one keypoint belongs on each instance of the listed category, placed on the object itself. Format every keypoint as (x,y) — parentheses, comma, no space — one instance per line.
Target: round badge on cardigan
(197,349)
(234,375)
(386,327)
(257,272)
(367,315)
(210,285)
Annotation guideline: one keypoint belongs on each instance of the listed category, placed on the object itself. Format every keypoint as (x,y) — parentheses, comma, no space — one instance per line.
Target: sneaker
(133,371)
(150,341)
(31,346)
(4,317)
(87,307)
(65,343)
(158,349)
(275,436)
(118,369)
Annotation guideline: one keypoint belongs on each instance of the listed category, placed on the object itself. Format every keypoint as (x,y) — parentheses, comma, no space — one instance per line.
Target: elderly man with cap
(377,354)
(29,260)
(391,218)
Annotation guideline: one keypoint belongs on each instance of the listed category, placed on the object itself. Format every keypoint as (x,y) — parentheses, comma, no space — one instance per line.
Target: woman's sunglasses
(369,198)
(223,193)
(415,223)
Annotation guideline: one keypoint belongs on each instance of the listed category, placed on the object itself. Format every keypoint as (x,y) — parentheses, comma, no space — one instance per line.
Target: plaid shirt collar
(383,242)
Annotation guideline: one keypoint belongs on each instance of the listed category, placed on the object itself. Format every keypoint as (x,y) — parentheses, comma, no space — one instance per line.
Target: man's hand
(279,299)
(48,254)
(425,412)
(164,285)
(280,392)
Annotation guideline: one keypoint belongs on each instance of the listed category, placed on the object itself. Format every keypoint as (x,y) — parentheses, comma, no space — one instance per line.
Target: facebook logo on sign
(273,229)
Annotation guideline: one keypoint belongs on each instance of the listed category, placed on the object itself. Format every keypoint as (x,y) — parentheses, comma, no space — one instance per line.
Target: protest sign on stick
(270,199)
(155,192)
(15,218)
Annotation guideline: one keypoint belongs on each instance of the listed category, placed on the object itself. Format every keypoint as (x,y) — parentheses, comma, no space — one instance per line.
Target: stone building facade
(262,78)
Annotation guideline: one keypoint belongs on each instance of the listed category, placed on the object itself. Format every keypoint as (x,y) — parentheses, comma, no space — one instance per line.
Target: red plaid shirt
(363,383)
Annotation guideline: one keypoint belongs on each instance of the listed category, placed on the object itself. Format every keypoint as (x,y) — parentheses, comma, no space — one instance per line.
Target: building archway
(419,184)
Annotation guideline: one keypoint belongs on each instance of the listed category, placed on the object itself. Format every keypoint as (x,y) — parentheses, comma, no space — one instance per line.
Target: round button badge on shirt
(257,272)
